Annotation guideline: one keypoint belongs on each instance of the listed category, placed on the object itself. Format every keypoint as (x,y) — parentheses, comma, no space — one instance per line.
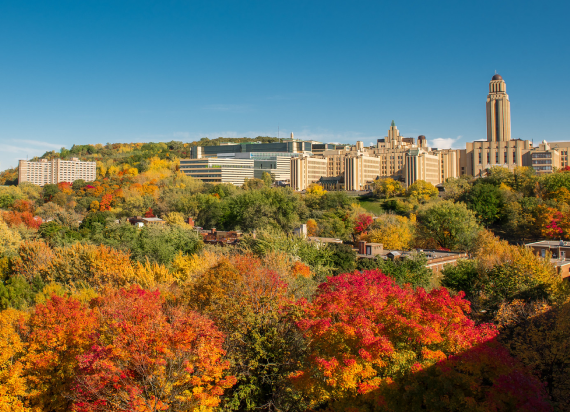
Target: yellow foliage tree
(149,275)
(394,232)
(316,190)
(13,387)
(176,219)
(421,190)
(187,268)
(9,239)
(387,188)
(491,252)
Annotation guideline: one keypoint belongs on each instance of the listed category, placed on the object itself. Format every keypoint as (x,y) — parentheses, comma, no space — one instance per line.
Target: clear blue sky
(125,71)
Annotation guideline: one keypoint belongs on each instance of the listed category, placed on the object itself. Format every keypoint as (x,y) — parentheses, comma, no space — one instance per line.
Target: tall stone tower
(498,111)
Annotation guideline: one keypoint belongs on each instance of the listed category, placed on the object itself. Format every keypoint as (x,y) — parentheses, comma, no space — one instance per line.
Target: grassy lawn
(374,205)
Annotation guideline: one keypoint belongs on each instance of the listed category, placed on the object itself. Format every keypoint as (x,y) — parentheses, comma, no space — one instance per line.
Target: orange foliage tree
(15,218)
(58,334)
(105,203)
(150,356)
(21,205)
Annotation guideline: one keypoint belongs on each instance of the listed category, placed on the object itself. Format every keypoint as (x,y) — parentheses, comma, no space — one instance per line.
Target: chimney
(213,230)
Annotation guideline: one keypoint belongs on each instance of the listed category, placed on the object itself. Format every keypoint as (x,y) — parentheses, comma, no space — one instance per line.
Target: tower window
(505,157)
(488,158)
(497,157)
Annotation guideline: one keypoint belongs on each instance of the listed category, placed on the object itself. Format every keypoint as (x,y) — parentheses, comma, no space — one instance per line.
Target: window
(543,252)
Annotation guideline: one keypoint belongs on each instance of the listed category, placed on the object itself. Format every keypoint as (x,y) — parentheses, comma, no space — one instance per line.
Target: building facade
(219,170)
(55,171)
(406,159)
(306,170)
(359,171)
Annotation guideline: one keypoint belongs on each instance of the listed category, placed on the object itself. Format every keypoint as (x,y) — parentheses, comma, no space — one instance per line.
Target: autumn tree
(387,188)
(394,232)
(13,386)
(59,332)
(362,223)
(367,338)
(538,334)
(9,239)
(314,195)
(312,228)
(247,301)
(148,355)
(105,203)
(421,191)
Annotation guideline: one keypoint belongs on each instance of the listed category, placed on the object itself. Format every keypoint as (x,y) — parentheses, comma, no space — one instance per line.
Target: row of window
(497,157)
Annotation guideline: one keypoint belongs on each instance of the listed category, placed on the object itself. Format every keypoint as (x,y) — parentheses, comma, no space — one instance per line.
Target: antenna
(278,131)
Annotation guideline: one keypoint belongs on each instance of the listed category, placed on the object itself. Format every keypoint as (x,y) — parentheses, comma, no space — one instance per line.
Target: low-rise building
(557,251)
(141,221)
(436,259)
(221,237)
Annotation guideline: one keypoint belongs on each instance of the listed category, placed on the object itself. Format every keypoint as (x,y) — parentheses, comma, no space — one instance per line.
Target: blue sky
(125,71)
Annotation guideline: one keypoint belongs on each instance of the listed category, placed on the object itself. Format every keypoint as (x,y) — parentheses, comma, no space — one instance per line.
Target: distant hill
(136,154)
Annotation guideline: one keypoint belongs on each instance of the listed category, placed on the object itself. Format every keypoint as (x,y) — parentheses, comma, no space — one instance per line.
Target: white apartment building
(56,171)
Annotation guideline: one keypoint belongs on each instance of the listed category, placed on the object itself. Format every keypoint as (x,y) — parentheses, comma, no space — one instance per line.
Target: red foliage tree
(150,356)
(365,334)
(149,213)
(362,223)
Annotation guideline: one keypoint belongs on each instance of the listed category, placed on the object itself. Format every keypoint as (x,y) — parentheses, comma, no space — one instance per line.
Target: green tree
(463,277)
(450,225)
(267,179)
(498,175)
(343,258)
(455,187)
(487,201)
(50,190)
(409,270)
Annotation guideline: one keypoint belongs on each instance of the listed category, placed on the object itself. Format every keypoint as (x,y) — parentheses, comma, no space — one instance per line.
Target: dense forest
(100,315)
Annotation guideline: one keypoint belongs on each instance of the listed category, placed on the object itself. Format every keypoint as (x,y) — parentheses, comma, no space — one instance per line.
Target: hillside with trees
(99,314)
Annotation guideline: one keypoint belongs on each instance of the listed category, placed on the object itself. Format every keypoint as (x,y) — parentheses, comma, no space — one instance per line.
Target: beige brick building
(306,170)
(359,171)
(55,171)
